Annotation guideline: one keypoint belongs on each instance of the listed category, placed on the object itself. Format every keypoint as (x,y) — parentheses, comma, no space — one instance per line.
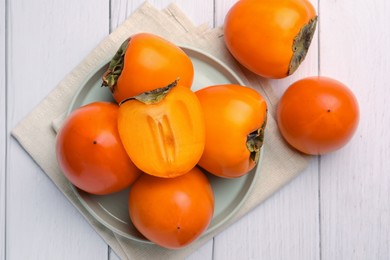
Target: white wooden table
(338,208)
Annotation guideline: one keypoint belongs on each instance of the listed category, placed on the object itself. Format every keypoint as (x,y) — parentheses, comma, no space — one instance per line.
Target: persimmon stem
(153,96)
(110,77)
(255,141)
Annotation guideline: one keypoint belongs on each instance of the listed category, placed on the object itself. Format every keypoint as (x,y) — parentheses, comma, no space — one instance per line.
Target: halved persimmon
(163,131)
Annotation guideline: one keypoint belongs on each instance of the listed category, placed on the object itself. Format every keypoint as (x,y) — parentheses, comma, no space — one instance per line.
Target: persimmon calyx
(301,44)
(255,141)
(110,77)
(153,96)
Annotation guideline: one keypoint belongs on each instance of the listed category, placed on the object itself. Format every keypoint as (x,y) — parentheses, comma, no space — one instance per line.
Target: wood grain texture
(287,225)
(3,128)
(199,12)
(46,40)
(338,208)
(283,227)
(355,181)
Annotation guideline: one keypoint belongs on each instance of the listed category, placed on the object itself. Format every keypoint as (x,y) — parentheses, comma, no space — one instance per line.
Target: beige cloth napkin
(36,135)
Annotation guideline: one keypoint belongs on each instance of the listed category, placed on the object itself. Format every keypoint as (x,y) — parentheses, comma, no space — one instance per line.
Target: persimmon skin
(260,34)
(90,153)
(231,113)
(152,62)
(165,139)
(172,212)
(318,115)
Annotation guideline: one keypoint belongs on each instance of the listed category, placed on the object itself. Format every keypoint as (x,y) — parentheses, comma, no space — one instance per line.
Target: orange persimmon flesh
(165,138)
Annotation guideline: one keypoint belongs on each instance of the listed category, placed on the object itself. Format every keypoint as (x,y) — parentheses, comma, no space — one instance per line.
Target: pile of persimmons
(161,138)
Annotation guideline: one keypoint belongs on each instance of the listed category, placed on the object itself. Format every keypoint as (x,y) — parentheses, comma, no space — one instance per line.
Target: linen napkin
(36,134)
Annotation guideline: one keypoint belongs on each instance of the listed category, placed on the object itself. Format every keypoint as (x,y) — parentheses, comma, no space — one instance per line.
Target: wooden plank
(355,181)
(46,40)
(283,227)
(287,225)
(199,12)
(3,126)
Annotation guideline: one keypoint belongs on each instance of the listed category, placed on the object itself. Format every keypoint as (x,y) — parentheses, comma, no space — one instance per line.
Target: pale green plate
(111,210)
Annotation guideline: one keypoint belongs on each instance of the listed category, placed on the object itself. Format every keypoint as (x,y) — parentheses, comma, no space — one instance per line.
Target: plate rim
(255,172)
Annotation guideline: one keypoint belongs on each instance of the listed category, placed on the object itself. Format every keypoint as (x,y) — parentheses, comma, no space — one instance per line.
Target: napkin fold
(36,135)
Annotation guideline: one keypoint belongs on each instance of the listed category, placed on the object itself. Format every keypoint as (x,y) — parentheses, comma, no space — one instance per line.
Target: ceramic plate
(111,210)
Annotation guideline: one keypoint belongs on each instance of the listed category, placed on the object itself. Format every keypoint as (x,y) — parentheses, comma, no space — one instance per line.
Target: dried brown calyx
(110,77)
(255,141)
(301,44)
(153,96)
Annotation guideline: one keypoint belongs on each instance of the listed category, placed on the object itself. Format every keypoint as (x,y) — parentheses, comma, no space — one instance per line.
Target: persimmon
(145,62)
(235,121)
(90,152)
(163,131)
(172,212)
(318,115)
(268,37)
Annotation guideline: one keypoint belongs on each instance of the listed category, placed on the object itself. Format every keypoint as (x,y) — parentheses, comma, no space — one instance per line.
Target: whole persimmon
(90,153)
(269,37)
(145,62)
(163,131)
(172,212)
(235,121)
(318,115)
